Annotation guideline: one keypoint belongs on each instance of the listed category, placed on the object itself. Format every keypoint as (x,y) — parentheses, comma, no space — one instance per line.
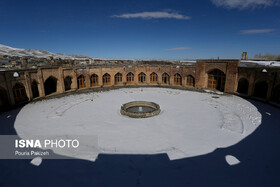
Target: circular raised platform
(140,109)
(189,124)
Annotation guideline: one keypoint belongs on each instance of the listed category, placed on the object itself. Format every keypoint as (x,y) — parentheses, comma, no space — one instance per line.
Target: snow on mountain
(10,51)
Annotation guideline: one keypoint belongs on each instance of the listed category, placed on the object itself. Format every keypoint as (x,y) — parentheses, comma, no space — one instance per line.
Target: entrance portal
(216,80)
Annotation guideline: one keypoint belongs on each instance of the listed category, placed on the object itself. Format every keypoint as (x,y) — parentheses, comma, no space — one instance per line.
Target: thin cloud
(178,49)
(257,31)
(153,15)
(243,4)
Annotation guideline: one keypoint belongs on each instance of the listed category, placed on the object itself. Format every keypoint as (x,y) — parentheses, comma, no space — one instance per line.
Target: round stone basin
(140,109)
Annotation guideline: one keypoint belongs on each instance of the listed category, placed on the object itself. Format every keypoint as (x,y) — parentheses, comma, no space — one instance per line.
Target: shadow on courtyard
(259,154)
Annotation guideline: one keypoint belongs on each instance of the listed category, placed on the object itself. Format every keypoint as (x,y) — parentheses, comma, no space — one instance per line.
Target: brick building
(20,86)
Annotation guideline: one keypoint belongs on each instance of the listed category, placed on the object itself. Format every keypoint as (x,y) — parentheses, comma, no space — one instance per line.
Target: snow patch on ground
(190,124)
(36,161)
(231,160)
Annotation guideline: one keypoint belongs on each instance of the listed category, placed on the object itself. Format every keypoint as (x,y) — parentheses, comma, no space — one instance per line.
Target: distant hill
(10,51)
(16,52)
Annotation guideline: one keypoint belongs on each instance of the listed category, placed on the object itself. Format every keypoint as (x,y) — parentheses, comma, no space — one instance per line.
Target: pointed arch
(19,93)
(106,79)
(177,79)
(118,78)
(190,81)
(153,78)
(260,89)
(50,85)
(3,98)
(243,85)
(216,80)
(94,80)
(165,78)
(67,83)
(142,77)
(34,88)
(81,81)
(129,78)
(276,94)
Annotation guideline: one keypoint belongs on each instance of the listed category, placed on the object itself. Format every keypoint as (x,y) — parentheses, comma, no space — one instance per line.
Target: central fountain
(140,109)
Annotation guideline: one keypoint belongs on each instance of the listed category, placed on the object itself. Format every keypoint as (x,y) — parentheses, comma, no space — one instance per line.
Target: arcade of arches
(222,75)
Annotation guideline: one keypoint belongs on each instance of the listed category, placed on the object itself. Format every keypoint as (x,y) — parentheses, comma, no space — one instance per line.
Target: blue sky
(146,29)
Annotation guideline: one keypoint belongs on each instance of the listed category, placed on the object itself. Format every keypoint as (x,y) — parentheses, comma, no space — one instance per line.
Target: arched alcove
(276,94)
(19,93)
(106,79)
(261,89)
(34,88)
(129,78)
(67,83)
(50,85)
(81,81)
(94,80)
(216,80)
(3,98)
(243,85)
(190,80)
(153,78)
(177,79)
(165,78)
(118,78)
(142,77)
